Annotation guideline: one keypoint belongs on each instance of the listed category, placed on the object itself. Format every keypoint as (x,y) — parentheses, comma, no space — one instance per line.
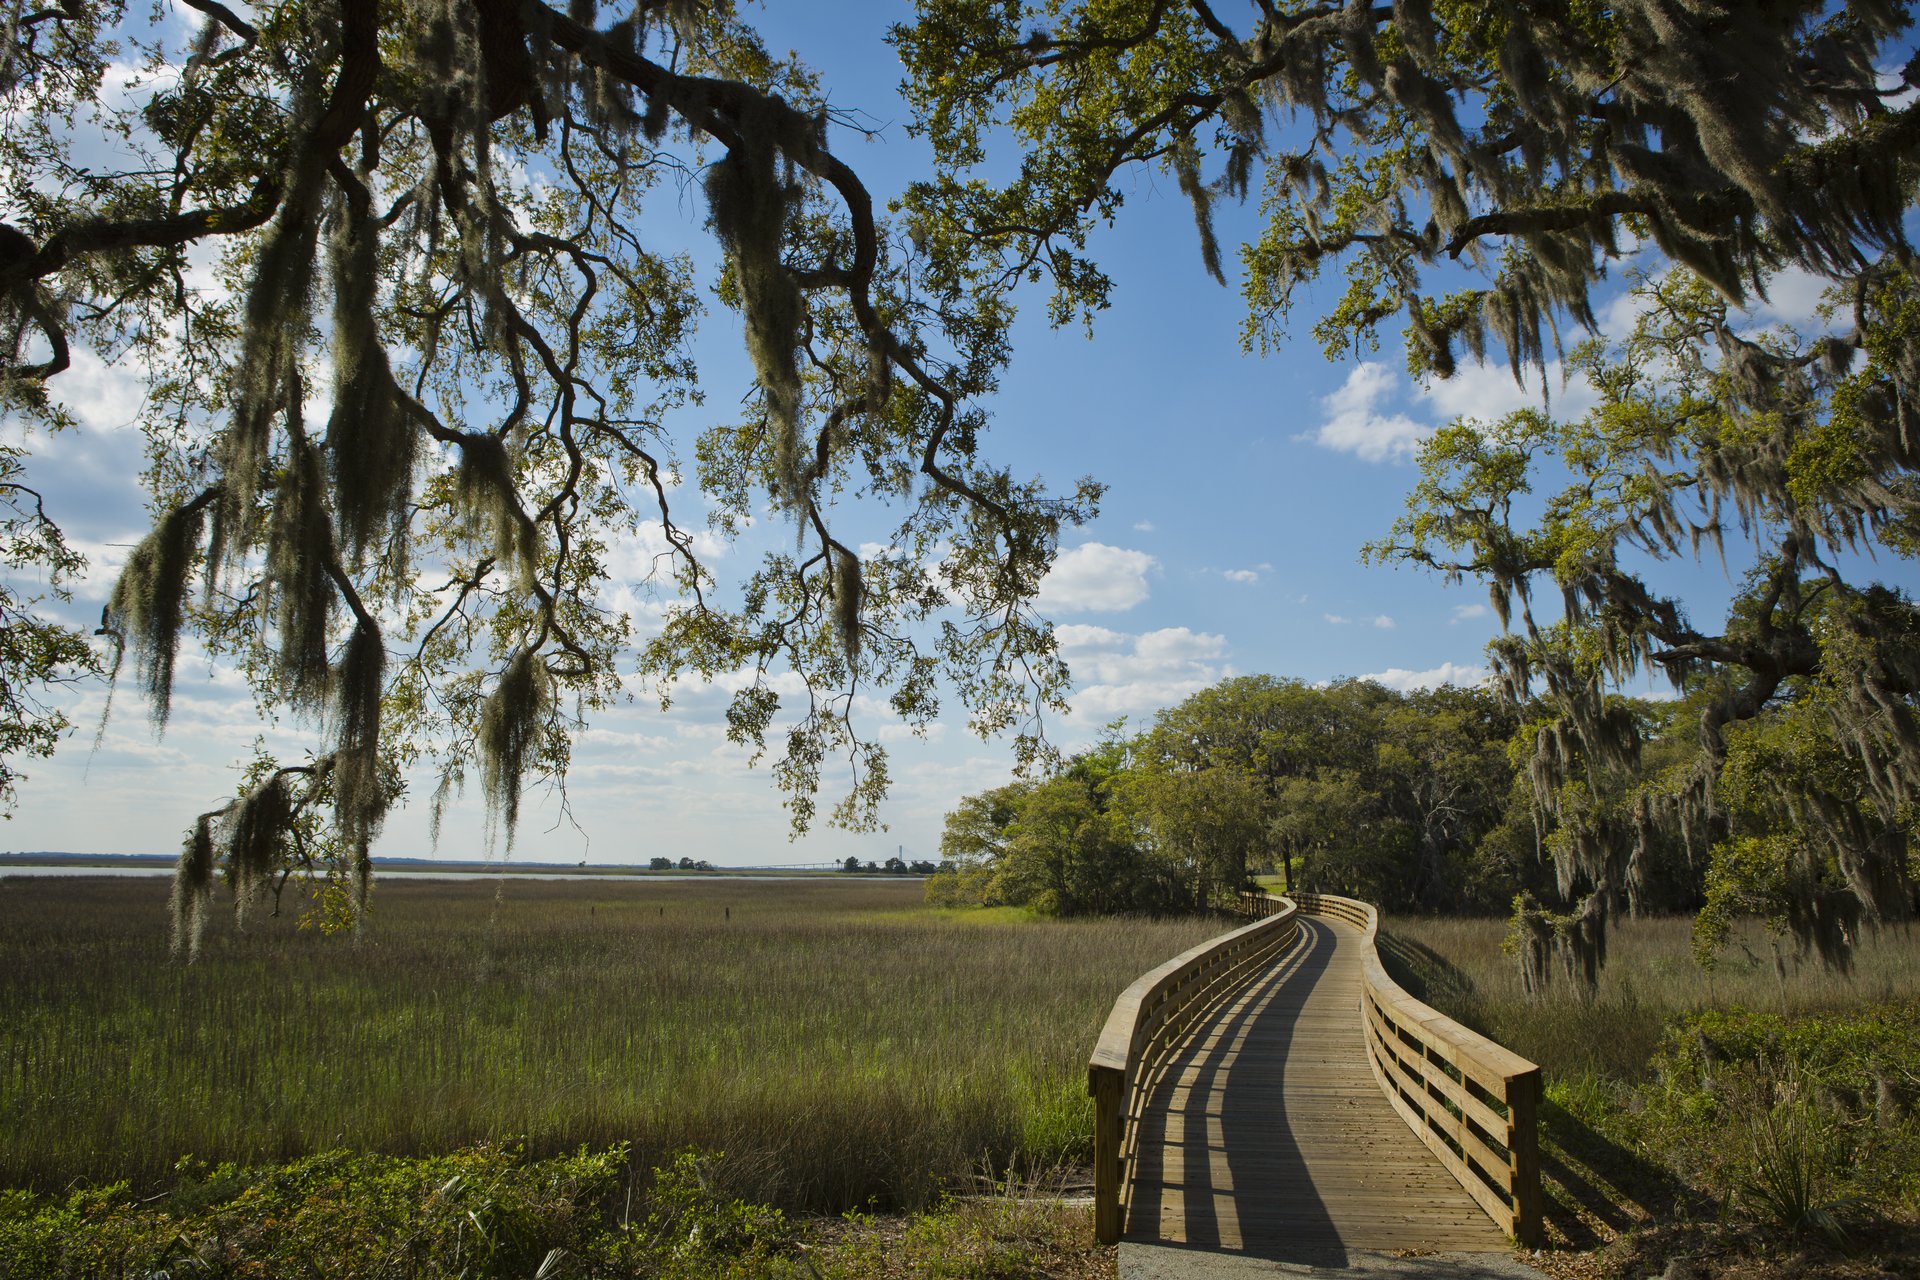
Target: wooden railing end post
(1108,1088)
(1523,1146)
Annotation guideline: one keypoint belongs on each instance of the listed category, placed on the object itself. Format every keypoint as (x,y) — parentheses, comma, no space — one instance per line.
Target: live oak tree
(395,274)
(1806,783)
(1473,169)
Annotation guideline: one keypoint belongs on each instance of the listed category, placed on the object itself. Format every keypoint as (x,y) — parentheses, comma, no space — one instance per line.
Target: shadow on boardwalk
(1269,1136)
(1203,1143)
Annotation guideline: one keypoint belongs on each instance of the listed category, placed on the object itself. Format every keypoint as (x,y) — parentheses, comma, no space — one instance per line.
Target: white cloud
(1096,577)
(1241,575)
(1465,612)
(1384,623)
(1076,635)
(1488,392)
(1143,526)
(644,554)
(900,731)
(1116,674)
(1362,417)
(1793,297)
(1336,619)
(104,397)
(1446,673)
(1356,425)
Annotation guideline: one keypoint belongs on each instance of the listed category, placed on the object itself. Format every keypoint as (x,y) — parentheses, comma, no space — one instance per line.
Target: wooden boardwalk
(1270,1135)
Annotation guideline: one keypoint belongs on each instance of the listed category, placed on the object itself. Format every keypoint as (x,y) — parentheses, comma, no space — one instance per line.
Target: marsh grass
(1650,981)
(841,1045)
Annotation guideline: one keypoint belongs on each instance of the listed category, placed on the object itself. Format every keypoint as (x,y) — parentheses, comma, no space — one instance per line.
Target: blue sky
(1240,491)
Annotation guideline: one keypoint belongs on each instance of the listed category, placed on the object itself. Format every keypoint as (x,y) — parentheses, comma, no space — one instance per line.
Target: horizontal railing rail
(1473,1102)
(1149,1023)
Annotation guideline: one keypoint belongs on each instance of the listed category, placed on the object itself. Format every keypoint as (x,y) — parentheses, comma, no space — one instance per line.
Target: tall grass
(839,1043)
(1650,980)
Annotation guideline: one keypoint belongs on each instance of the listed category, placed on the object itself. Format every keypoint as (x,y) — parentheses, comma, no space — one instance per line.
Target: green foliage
(1673,1089)
(487,1213)
(1798,1122)
(480,1212)
(1408,145)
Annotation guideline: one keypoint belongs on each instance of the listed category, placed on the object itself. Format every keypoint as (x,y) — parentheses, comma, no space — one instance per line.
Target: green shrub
(1791,1122)
(480,1213)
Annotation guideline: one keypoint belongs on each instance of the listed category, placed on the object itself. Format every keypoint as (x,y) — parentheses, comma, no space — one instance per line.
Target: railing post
(1523,1155)
(1108,1089)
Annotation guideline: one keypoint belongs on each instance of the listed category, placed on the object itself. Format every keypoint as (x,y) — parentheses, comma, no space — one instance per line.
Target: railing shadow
(1594,1187)
(1241,1181)
(1422,972)
(1591,1181)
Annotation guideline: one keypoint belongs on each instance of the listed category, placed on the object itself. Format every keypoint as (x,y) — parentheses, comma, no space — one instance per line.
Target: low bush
(488,1213)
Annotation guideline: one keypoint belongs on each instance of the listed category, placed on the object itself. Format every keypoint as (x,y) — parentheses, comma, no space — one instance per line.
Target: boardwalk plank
(1269,1127)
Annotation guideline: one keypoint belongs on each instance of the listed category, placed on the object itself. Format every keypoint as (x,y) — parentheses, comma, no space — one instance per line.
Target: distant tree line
(894,866)
(1416,801)
(684,864)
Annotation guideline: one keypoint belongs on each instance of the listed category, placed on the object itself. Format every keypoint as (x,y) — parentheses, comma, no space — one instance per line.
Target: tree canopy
(394,275)
(1805,697)
(1471,167)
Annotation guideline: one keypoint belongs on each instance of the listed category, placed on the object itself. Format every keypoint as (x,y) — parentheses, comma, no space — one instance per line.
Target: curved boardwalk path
(1269,1134)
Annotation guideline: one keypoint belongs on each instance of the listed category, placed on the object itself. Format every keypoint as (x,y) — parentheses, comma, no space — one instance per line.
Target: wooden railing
(1149,1023)
(1474,1103)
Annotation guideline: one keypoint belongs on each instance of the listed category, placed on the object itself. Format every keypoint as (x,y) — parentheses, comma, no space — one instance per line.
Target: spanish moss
(193,889)
(298,582)
(490,502)
(255,831)
(371,441)
(148,604)
(750,201)
(512,723)
(360,795)
(849,591)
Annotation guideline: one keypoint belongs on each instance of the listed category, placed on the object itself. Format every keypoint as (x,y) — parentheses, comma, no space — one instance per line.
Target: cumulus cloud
(901,731)
(1116,674)
(1488,392)
(1143,526)
(1240,575)
(1446,673)
(104,397)
(1080,636)
(1095,577)
(1379,415)
(1336,619)
(1467,612)
(1355,421)
(1384,623)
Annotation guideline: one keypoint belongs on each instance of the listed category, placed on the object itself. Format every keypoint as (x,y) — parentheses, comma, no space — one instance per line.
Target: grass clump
(844,1046)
